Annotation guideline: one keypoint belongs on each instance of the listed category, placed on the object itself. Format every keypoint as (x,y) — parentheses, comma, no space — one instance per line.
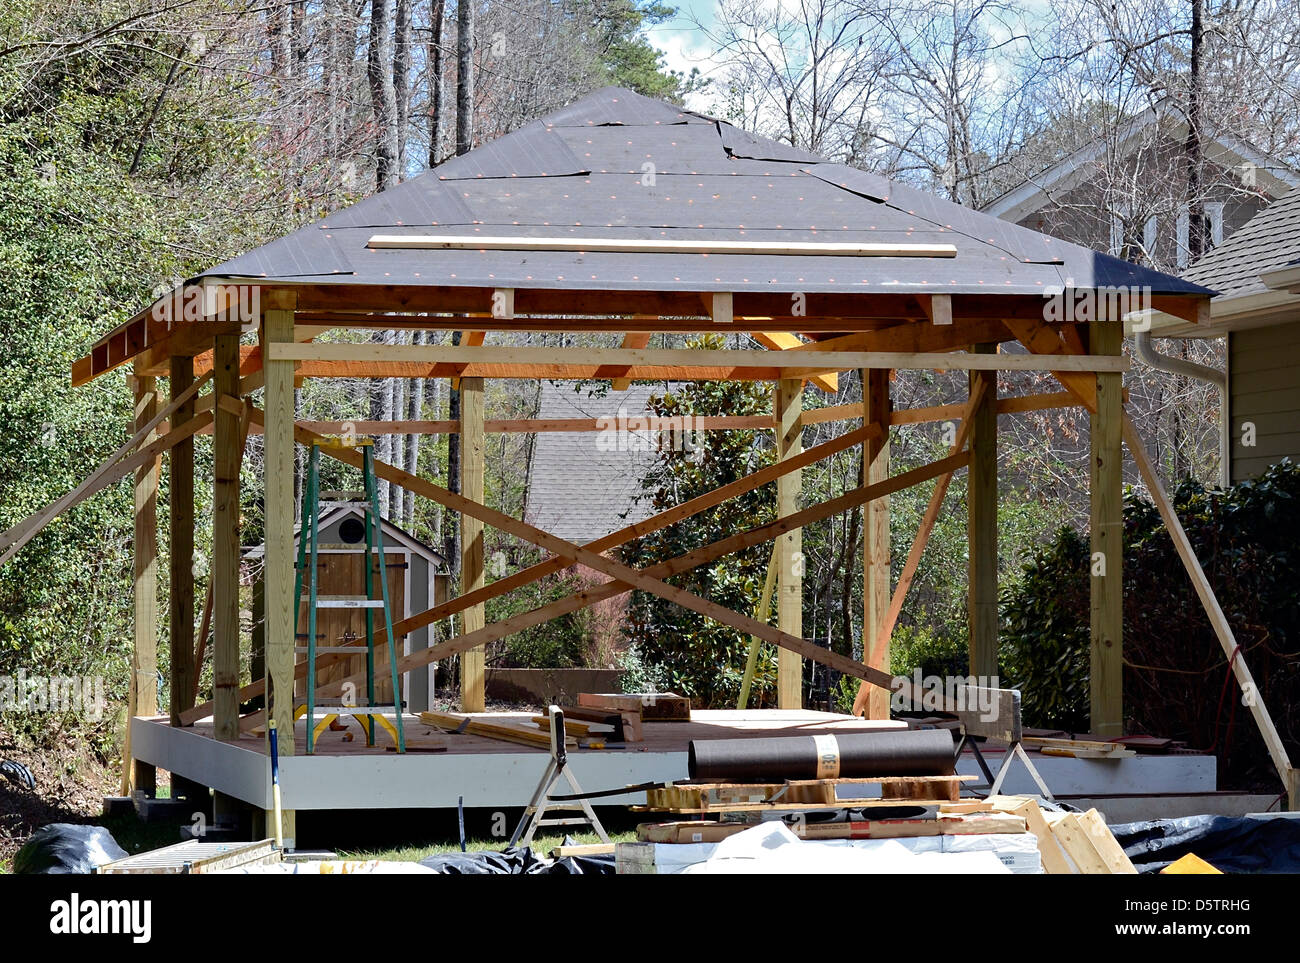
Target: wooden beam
(144,563)
(142,692)
(1042,339)
(884,630)
(588,359)
(875,537)
(633,339)
(1218,621)
(1106,533)
(227,447)
(787,341)
(278,469)
(540,570)
(473,662)
(937,307)
(474,242)
(787,404)
(982,524)
(722,307)
(181,548)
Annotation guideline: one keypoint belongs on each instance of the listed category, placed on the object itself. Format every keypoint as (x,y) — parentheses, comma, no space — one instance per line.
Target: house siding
(1264,391)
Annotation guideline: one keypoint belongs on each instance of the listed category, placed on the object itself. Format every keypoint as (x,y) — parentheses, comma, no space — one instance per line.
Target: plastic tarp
(1233,844)
(67,848)
(772,848)
(517,862)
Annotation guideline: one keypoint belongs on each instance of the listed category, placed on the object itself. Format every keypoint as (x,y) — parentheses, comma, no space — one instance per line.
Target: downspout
(1147,353)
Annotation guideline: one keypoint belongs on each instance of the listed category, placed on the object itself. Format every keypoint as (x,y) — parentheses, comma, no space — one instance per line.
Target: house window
(1149,234)
(1213,214)
(1214,217)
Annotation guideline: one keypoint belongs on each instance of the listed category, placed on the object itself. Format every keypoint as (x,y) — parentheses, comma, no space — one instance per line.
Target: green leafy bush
(1176,675)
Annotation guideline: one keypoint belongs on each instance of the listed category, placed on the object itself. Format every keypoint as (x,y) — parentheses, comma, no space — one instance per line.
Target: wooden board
(739,797)
(651,706)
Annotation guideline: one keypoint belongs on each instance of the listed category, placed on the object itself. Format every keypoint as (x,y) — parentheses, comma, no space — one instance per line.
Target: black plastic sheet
(67,848)
(1233,844)
(517,862)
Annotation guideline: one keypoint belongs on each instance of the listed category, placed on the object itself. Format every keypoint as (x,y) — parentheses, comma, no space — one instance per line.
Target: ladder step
(563,822)
(329,506)
(354,649)
(357,548)
(356,710)
(347,602)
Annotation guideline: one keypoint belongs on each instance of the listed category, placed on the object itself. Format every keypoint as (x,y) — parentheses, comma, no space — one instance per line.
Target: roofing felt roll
(904,752)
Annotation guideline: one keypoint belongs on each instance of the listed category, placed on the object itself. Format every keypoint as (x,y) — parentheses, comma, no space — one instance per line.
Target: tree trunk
(401,80)
(437,89)
(383,100)
(464,82)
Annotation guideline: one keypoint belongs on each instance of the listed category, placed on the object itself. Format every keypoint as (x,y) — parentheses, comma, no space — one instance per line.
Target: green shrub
(1176,675)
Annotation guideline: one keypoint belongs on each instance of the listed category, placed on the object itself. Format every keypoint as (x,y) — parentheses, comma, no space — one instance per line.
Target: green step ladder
(369,714)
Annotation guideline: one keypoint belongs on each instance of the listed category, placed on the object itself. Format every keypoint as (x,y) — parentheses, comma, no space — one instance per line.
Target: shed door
(342,574)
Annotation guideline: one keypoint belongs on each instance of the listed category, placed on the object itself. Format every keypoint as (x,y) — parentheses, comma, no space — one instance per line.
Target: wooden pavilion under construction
(631,217)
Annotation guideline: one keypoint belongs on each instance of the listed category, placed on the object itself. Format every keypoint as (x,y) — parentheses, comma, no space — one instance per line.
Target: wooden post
(787,406)
(145,560)
(1106,485)
(982,524)
(181,555)
(875,531)
(473,682)
(278,468)
(142,696)
(228,441)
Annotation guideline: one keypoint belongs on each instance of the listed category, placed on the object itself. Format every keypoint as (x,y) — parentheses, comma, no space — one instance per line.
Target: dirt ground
(71,782)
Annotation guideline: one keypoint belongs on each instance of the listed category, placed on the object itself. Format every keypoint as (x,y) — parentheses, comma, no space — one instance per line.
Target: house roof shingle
(1269,240)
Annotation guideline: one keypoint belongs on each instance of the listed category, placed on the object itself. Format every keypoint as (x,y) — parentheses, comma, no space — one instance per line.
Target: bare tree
(383,99)
(464,76)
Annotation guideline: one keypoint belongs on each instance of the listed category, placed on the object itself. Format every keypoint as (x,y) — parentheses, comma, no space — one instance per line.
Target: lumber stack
(1025,838)
(1069,842)
(697,797)
(652,706)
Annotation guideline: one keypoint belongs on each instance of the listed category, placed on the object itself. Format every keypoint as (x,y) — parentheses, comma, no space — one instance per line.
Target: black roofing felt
(618,165)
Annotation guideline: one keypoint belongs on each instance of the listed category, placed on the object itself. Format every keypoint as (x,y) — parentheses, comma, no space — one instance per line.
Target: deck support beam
(227,448)
(181,548)
(473,681)
(875,533)
(278,468)
(142,695)
(787,405)
(1106,486)
(982,524)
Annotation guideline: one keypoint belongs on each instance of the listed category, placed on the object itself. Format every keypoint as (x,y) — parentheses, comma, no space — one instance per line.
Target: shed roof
(618,165)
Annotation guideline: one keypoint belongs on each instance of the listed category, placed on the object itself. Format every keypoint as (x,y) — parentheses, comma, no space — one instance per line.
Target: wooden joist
(591,362)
